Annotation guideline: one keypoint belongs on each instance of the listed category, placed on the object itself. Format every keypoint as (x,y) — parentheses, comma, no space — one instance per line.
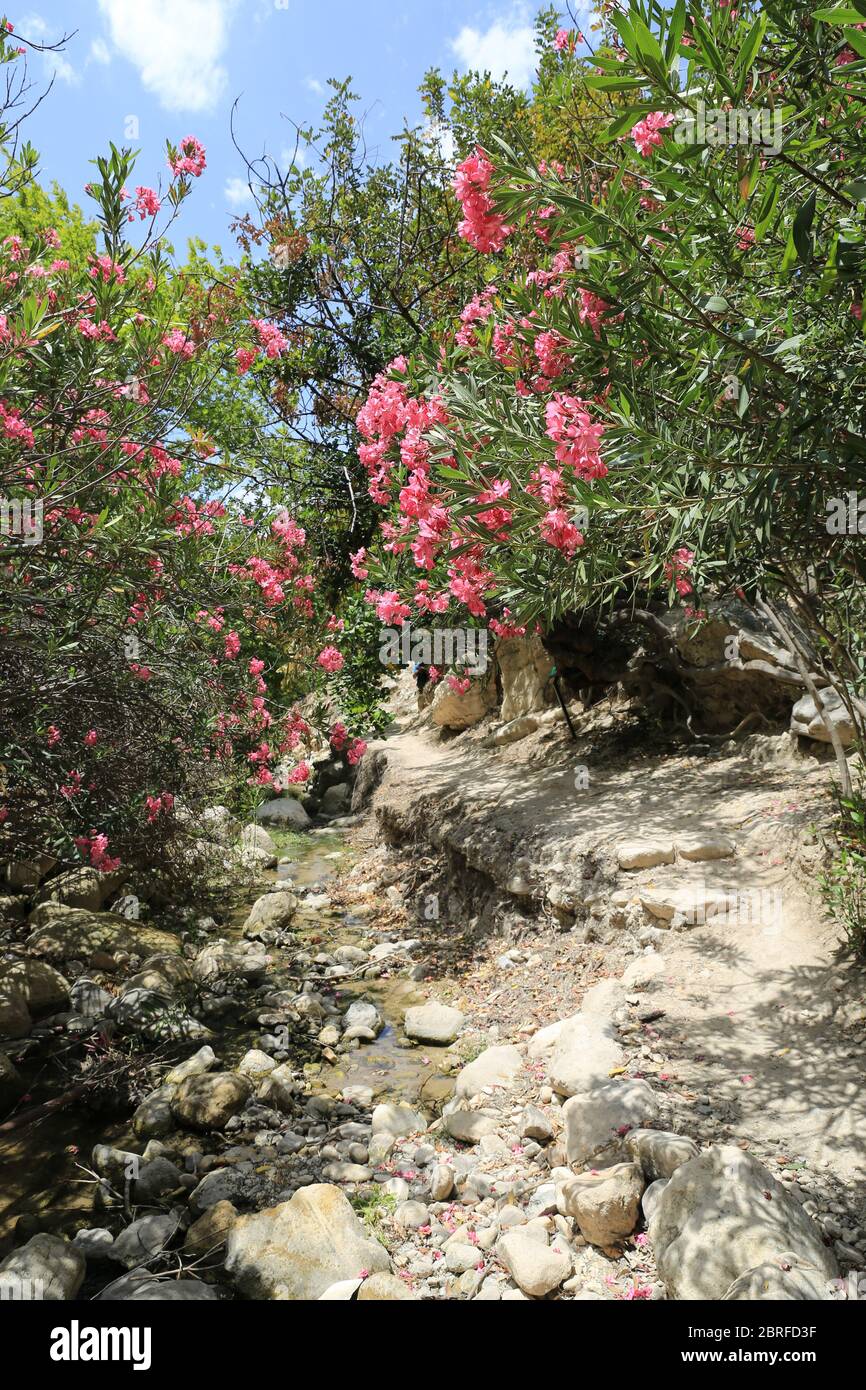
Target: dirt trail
(761,1034)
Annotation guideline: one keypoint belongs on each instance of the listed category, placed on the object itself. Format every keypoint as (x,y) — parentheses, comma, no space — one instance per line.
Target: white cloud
(237,192)
(99,52)
(507,46)
(314,85)
(296,157)
(176,45)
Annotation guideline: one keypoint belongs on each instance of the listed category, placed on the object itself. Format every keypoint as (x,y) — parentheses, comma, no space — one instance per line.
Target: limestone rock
(385,1288)
(433,1023)
(536,1267)
(658,1153)
(597,1120)
(784,1279)
(494,1067)
(397,1120)
(283,811)
(722,1214)
(584,1053)
(807,722)
(300,1248)
(45,1268)
(271,910)
(604,1204)
(209,1101)
(645,853)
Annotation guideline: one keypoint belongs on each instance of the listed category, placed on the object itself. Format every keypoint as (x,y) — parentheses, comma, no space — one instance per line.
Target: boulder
(83,887)
(255,839)
(722,1214)
(604,1204)
(150,1290)
(658,1153)
(597,1120)
(494,1067)
(536,1267)
(468,1125)
(144,1238)
(584,1053)
(450,710)
(219,824)
(75,934)
(433,1023)
(12,1085)
(371,770)
(45,1268)
(209,1101)
(256,1065)
(363,1014)
(336,799)
(224,960)
(153,1118)
(201,1061)
(89,999)
(300,1248)
(271,910)
(207,1235)
(284,811)
(397,1120)
(807,722)
(42,988)
(385,1288)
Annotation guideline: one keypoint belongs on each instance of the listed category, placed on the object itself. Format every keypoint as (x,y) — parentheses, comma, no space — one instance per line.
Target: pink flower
(330,660)
(231,645)
(646,134)
(460,687)
(245,357)
(356,562)
(91,738)
(178,344)
(147,204)
(256,666)
(190,158)
(355,752)
(273,343)
(561,40)
(482,226)
(54,735)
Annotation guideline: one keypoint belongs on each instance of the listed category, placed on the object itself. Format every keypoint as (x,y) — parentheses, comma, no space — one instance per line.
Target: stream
(41,1164)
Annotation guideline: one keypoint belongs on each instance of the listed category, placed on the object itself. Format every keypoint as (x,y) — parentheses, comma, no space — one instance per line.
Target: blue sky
(174,67)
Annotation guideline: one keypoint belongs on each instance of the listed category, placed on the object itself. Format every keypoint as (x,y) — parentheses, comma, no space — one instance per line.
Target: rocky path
(552,1036)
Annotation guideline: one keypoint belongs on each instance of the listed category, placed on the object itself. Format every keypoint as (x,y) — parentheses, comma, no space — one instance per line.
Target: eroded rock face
(299,1249)
(524,668)
(723,1214)
(209,1101)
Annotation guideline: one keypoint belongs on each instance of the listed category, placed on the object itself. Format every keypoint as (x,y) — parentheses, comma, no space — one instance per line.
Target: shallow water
(41,1172)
